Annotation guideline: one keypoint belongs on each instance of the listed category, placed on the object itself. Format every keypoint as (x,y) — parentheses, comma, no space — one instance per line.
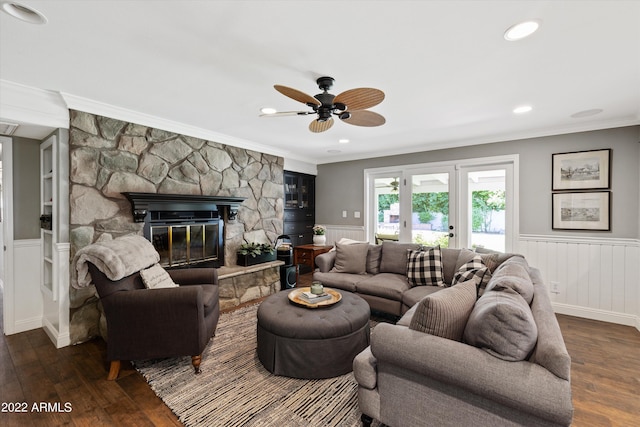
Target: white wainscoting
(55,320)
(27,298)
(597,278)
(337,232)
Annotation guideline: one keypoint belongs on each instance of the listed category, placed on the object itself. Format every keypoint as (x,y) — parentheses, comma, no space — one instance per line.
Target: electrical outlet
(344,214)
(555,287)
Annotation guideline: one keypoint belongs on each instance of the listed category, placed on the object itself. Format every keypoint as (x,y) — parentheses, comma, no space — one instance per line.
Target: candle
(316,288)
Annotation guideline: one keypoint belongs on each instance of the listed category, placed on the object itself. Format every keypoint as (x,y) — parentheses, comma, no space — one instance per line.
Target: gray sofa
(506,364)
(384,283)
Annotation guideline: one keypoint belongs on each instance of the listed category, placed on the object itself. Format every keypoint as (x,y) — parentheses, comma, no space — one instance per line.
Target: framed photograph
(581,211)
(582,170)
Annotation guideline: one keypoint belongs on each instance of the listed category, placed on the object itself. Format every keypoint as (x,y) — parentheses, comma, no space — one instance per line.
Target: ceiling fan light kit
(350,106)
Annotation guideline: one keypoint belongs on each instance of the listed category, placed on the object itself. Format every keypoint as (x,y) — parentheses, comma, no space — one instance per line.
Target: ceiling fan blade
(365,118)
(360,98)
(316,126)
(296,95)
(287,113)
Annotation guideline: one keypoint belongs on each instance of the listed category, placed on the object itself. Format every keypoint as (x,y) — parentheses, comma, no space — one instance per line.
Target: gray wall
(340,186)
(26,188)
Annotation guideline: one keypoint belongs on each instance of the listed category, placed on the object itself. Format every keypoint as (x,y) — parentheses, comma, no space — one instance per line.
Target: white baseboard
(597,314)
(59,340)
(28,324)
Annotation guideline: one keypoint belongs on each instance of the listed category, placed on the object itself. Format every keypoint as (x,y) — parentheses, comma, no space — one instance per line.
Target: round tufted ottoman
(311,343)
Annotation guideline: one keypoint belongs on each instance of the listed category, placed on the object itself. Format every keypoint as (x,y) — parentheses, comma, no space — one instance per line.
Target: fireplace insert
(187,231)
(187,238)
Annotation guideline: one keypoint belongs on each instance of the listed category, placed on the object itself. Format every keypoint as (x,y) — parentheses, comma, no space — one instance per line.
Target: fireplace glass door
(185,244)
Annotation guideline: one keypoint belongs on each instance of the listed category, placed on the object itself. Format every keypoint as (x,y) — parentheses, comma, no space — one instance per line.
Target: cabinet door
(307,190)
(291,189)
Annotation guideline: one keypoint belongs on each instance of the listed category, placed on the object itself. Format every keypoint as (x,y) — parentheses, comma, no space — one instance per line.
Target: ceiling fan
(394,184)
(349,106)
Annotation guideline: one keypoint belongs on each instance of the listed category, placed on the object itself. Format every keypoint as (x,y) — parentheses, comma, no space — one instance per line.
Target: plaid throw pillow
(425,267)
(474,269)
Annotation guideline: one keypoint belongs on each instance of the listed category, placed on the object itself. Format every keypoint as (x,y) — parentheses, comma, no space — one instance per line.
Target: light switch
(344,214)
(356,214)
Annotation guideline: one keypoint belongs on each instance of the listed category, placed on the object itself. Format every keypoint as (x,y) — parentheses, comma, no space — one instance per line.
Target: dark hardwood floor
(72,380)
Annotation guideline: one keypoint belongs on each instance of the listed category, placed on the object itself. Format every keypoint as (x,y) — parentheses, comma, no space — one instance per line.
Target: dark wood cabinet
(304,257)
(299,207)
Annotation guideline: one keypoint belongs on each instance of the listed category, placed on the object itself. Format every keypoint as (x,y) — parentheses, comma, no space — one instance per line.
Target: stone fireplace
(109,157)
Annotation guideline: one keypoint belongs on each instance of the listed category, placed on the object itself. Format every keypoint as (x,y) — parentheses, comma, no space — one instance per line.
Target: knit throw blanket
(117,258)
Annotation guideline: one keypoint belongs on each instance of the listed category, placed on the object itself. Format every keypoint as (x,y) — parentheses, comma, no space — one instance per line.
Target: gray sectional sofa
(455,358)
(383,282)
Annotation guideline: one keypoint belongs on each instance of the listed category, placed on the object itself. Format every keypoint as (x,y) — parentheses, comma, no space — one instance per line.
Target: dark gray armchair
(157,323)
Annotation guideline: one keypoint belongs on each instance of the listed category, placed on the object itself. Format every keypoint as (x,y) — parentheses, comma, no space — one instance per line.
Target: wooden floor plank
(605,379)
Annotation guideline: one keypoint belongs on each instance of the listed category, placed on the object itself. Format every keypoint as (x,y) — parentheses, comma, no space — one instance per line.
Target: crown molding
(102,109)
(513,136)
(49,110)
(29,105)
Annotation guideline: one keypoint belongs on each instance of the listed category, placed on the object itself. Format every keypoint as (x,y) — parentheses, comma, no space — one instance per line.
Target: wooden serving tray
(294,297)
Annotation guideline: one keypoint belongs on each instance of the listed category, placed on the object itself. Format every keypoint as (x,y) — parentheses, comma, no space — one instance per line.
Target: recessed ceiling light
(587,113)
(23,13)
(522,109)
(334,151)
(521,30)
(343,141)
(268,110)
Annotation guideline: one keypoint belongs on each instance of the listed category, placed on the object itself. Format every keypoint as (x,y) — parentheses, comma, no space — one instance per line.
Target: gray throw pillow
(373,259)
(351,258)
(464,256)
(512,276)
(394,257)
(445,313)
(502,324)
(373,255)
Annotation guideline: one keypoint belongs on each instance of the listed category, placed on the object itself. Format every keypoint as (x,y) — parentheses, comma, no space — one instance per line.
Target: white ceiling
(449,76)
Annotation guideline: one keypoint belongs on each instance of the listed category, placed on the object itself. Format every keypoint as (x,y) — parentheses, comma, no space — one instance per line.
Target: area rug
(234,389)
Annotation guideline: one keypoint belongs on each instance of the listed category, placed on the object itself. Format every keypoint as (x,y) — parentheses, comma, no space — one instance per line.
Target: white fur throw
(117,258)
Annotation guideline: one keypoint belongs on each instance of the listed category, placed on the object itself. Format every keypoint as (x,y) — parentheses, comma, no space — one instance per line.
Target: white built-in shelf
(48,206)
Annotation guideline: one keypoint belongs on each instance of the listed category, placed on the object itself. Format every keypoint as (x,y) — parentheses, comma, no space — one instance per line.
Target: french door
(457,204)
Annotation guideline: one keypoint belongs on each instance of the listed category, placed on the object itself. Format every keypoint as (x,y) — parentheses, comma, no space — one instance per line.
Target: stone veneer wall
(108,157)
(249,284)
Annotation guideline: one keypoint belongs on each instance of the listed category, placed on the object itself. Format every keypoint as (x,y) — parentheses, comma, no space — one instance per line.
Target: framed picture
(582,170)
(581,211)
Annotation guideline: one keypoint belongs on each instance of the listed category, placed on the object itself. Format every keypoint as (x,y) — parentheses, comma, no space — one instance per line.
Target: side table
(306,255)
